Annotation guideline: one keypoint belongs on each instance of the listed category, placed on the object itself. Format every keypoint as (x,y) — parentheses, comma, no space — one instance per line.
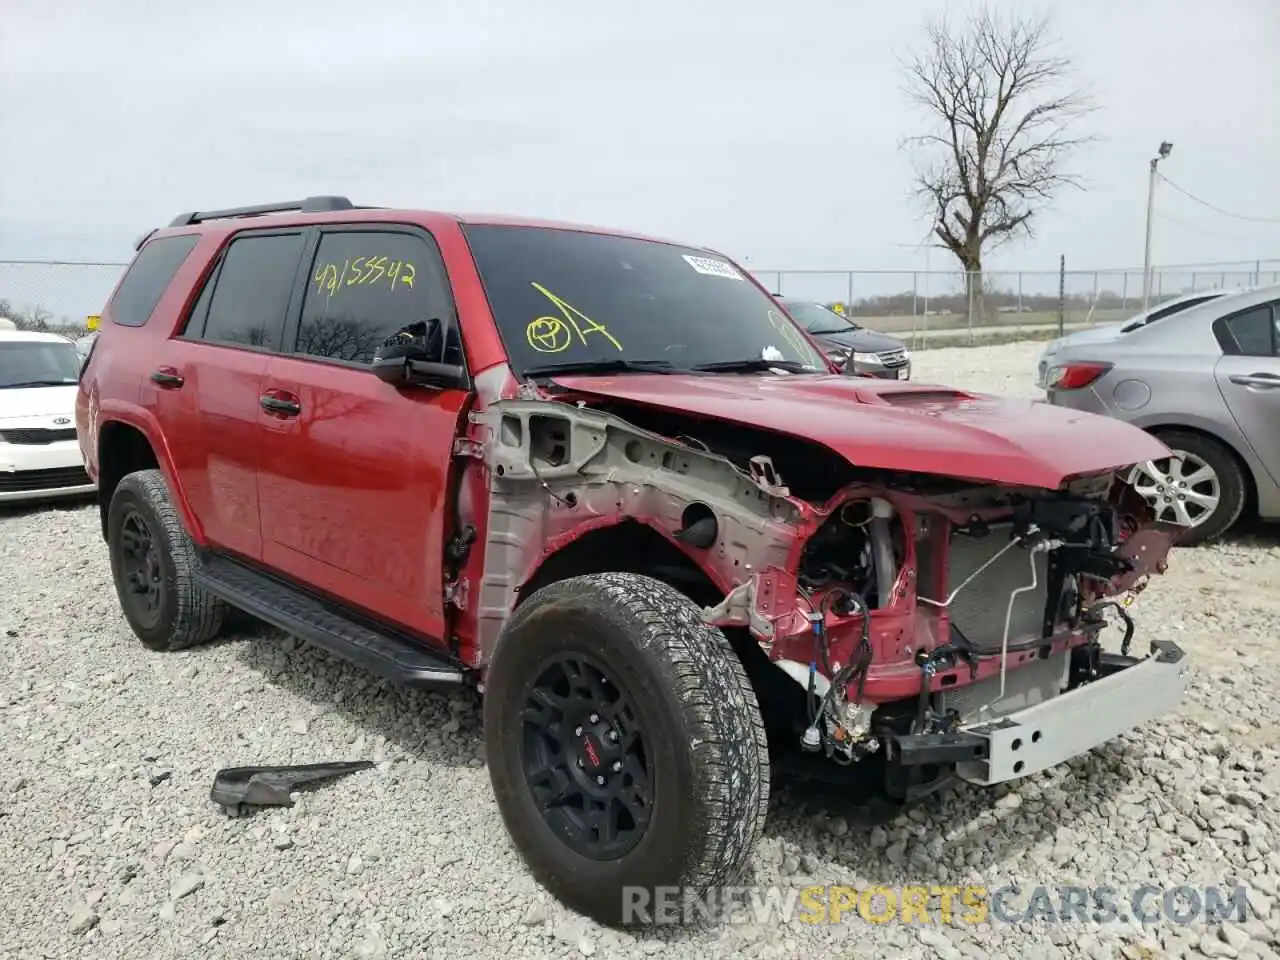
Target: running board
(397,658)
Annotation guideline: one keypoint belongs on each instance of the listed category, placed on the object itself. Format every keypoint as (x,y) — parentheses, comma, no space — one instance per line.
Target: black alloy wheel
(153,566)
(584,758)
(624,743)
(141,569)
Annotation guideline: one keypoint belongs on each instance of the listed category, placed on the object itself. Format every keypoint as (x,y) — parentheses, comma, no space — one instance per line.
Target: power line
(1202,230)
(1215,208)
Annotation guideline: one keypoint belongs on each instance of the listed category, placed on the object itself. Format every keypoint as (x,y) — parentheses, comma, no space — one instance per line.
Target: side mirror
(413,357)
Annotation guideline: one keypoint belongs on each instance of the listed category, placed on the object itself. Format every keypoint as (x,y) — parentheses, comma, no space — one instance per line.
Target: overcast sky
(769,130)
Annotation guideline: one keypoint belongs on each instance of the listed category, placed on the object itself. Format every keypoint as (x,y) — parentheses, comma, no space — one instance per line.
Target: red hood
(900,426)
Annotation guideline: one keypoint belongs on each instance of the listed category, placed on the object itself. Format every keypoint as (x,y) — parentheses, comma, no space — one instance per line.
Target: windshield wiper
(755,365)
(614,365)
(37,383)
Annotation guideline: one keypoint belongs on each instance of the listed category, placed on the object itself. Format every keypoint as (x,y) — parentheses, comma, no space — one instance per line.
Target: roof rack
(322,204)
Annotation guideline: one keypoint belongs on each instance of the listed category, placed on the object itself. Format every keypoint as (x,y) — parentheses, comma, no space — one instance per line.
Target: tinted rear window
(148,277)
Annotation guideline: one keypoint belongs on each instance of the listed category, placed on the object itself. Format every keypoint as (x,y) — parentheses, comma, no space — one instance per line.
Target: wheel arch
(598,548)
(129,441)
(1248,466)
(628,545)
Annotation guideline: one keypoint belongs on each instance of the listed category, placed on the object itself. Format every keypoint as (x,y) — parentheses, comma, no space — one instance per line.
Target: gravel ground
(116,850)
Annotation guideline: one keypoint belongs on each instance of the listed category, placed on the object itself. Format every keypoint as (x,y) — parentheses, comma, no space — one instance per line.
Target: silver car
(1111,331)
(1206,381)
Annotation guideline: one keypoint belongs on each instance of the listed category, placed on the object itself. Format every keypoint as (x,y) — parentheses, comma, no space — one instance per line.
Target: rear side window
(251,292)
(147,279)
(1251,333)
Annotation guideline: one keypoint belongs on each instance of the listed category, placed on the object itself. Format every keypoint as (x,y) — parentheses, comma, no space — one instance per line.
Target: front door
(352,485)
(1248,375)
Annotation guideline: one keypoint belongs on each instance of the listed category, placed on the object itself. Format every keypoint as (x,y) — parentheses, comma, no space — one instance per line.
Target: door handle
(279,405)
(167,377)
(1267,381)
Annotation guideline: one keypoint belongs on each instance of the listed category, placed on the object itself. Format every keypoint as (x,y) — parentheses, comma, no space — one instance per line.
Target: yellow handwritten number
(364,270)
(555,334)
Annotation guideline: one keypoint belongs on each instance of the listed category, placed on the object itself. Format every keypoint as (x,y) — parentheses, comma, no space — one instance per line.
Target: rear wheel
(1201,487)
(625,746)
(152,564)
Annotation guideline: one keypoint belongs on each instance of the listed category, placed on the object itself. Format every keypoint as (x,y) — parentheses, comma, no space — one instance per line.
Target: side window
(251,295)
(1251,333)
(195,321)
(366,285)
(148,277)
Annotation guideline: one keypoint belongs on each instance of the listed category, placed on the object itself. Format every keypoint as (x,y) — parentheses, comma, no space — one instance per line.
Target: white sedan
(40,456)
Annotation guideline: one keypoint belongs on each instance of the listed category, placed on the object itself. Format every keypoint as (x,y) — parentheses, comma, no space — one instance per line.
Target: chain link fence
(936,307)
(57,296)
(943,307)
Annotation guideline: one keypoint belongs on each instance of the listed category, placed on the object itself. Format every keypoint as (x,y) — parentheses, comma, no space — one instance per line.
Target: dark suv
(847,343)
(607,483)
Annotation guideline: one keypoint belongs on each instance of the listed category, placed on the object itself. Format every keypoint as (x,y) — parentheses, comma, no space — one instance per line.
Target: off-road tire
(187,615)
(1230,476)
(703,737)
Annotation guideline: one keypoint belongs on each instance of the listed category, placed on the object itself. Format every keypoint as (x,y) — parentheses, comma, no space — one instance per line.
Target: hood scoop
(919,397)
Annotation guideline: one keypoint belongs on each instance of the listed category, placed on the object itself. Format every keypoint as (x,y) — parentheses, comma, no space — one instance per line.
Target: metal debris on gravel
(113,849)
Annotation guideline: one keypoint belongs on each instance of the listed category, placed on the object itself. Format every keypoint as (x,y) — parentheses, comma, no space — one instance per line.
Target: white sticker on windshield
(713,268)
(772,353)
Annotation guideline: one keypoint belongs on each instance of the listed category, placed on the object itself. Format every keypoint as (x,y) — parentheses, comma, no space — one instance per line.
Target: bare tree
(36,319)
(1002,130)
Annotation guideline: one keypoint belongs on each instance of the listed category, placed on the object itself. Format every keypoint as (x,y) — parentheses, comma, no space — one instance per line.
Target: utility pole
(1062,294)
(1165,149)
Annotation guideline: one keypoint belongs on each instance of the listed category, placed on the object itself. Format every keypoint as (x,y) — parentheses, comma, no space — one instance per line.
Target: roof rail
(322,204)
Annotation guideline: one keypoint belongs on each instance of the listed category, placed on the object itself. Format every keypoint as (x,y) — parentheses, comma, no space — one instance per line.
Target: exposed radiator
(979,611)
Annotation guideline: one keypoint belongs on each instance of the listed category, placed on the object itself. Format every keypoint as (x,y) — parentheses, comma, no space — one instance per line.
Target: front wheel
(625,746)
(1201,487)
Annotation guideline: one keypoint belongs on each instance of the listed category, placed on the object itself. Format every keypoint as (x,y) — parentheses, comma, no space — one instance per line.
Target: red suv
(607,481)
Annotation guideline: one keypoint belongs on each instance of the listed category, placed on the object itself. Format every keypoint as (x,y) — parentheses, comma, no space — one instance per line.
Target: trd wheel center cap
(592,753)
(599,749)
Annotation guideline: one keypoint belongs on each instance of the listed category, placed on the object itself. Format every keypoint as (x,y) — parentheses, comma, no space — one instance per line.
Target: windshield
(38,364)
(572,299)
(816,318)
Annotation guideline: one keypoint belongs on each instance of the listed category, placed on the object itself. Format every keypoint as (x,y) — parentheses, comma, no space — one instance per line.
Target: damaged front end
(960,630)
(938,624)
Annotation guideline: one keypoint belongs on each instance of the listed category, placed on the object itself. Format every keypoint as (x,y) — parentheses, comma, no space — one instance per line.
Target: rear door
(353,477)
(207,382)
(1249,377)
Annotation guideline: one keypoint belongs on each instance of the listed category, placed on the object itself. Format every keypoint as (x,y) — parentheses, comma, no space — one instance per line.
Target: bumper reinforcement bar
(1028,741)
